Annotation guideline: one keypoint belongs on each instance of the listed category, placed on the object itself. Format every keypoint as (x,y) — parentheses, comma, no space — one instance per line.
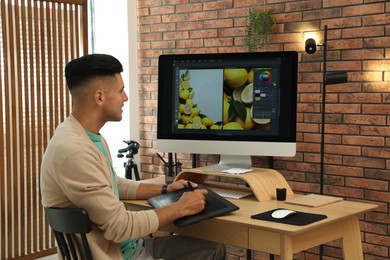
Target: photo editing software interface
(243,96)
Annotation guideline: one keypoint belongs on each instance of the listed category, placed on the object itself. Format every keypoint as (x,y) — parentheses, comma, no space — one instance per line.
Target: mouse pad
(299,218)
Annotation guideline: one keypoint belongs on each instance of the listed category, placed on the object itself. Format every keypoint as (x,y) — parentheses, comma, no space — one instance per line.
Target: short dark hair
(89,66)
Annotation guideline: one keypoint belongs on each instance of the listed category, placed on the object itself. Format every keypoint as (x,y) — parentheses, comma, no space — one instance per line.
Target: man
(77,171)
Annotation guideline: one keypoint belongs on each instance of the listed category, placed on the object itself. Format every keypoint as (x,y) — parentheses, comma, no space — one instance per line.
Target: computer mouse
(282,213)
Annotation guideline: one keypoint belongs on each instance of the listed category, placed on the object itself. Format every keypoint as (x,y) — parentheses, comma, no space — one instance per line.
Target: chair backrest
(67,222)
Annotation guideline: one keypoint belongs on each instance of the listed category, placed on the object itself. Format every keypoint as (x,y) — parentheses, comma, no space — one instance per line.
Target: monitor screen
(232,104)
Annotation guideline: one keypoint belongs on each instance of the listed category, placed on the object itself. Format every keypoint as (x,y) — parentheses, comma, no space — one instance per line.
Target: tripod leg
(136,174)
(127,172)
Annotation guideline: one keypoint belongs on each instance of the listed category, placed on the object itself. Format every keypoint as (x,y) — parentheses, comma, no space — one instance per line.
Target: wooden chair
(67,222)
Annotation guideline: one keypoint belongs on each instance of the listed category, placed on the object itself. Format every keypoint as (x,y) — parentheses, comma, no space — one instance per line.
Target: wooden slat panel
(37,39)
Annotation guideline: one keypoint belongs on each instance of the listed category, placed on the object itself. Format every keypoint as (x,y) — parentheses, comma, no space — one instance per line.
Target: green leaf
(240,109)
(232,112)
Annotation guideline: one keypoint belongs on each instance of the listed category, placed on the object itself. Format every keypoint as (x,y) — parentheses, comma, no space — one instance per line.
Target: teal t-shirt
(128,247)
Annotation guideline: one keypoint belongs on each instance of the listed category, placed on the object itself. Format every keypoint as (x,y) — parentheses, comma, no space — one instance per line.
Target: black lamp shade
(336,78)
(310,46)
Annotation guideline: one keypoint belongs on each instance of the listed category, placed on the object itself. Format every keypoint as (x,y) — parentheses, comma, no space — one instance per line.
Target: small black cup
(281,193)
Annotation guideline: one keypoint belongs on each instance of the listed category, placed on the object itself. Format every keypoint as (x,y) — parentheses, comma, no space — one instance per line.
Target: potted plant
(259,26)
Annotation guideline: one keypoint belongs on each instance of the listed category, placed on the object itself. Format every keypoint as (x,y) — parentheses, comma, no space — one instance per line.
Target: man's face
(114,98)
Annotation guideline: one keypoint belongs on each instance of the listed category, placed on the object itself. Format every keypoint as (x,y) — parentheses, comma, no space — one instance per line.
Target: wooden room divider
(37,39)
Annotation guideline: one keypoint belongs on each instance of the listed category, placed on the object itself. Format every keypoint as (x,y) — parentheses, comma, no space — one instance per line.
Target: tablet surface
(216,205)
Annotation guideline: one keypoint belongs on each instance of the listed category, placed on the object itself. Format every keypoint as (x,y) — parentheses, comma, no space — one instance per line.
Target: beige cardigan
(74,173)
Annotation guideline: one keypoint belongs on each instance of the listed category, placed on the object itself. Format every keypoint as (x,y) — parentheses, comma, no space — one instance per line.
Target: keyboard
(231,194)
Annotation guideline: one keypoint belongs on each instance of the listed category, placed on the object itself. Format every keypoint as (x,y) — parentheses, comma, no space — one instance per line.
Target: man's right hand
(193,201)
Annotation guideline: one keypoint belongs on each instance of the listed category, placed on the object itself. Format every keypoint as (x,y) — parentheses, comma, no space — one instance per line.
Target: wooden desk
(239,229)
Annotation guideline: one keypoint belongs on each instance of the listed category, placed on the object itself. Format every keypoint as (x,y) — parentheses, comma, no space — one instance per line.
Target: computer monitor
(236,105)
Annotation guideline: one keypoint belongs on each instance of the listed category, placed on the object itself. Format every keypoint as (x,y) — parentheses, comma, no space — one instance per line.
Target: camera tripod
(130,165)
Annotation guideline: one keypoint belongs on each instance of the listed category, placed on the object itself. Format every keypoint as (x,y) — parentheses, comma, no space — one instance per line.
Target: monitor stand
(230,161)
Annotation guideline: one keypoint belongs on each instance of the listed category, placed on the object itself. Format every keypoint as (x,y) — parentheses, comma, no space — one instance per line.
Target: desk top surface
(250,206)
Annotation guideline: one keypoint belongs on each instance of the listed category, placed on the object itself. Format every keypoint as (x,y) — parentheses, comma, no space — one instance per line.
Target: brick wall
(357,138)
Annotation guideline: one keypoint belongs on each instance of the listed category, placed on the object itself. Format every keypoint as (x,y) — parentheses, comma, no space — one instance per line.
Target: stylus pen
(161,158)
(190,186)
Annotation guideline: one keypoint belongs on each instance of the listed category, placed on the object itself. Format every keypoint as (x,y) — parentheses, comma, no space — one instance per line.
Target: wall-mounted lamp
(310,46)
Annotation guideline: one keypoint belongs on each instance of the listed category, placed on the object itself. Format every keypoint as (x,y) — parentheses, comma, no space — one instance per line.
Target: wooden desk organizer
(263,182)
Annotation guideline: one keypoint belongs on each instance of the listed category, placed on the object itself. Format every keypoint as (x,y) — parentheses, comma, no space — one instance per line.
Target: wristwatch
(164,189)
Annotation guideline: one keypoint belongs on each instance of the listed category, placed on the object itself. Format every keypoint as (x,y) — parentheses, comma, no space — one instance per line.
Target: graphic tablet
(216,205)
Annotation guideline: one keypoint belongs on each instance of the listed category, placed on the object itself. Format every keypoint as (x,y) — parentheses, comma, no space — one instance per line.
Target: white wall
(114,24)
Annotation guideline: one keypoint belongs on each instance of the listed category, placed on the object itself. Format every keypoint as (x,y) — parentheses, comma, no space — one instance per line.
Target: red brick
(150,36)
(285,37)
(376,65)
(371,31)
(332,3)
(364,54)
(312,158)
(387,76)
(310,97)
(343,170)
(376,19)
(143,11)
(365,119)
(193,43)
(376,109)
(333,159)
(345,44)
(287,17)
(364,76)
(163,45)
(304,187)
(342,22)
(150,19)
(303,5)
(378,251)
(190,25)
(218,42)
(360,98)
(226,32)
(344,192)
(308,147)
(203,34)
(163,27)
(220,23)
(322,14)
(375,130)
(367,184)
(364,162)
(176,35)
(308,87)
(201,16)
(376,152)
(343,149)
(342,108)
(344,66)
(363,140)
(311,128)
(344,88)
(358,10)
(376,42)
(379,196)
(189,8)
(162,10)
(231,13)
(217,5)
(376,87)
(377,174)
